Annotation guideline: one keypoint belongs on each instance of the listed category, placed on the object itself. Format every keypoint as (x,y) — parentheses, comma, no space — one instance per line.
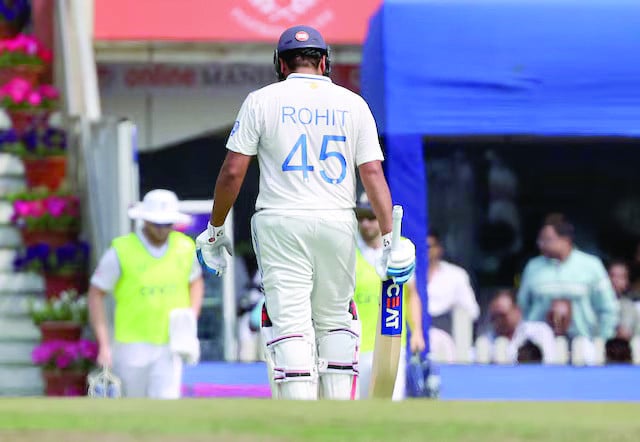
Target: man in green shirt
(564,272)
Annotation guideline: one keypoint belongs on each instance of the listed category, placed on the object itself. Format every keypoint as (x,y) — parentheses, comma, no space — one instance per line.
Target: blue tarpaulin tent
(472,67)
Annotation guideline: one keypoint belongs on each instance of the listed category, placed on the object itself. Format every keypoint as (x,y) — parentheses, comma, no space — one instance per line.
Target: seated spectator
(448,287)
(559,317)
(629,318)
(529,353)
(564,272)
(618,351)
(580,350)
(506,321)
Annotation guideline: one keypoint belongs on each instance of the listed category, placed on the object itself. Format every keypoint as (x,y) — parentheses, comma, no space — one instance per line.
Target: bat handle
(396,216)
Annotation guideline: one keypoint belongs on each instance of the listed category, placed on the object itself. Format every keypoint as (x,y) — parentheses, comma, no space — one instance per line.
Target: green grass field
(195,420)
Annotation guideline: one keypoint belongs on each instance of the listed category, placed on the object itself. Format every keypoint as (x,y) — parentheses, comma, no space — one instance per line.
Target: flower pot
(60,331)
(64,383)
(29,72)
(55,284)
(24,120)
(55,238)
(47,172)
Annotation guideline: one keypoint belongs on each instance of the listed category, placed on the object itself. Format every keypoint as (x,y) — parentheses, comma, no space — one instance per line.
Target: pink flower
(37,209)
(34,99)
(63,360)
(55,205)
(12,45)
(42,354)
(16,95)
(17,89)
(23,43)
(21,208)
(31,47)
(45,55)
(65,354)
(88,349)
(49,92)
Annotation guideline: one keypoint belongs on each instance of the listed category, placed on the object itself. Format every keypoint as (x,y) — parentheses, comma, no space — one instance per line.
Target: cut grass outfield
(239,420)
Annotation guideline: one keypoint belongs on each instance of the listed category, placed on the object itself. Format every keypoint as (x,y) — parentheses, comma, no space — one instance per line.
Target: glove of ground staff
(398,264)
(210,246)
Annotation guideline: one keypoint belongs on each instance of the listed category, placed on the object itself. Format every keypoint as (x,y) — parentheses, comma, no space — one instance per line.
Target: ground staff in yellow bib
(367,298)
(151,272)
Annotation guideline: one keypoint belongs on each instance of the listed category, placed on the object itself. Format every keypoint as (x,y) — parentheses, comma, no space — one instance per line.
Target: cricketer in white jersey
(309,135)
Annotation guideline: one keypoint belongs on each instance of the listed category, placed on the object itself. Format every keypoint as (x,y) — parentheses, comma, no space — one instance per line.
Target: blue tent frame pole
(406,174)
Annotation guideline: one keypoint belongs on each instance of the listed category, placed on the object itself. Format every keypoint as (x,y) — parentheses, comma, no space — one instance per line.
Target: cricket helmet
(300,37)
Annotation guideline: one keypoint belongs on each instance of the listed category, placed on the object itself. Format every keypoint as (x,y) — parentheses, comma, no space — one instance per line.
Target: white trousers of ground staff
(307,260)
(148,370)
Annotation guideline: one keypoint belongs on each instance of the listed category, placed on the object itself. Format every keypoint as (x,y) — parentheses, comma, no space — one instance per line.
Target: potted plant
(46,217)
(28,106)
(43,153)
(65,365)
(23,56)
(51,142)
(63,268)
(62,318)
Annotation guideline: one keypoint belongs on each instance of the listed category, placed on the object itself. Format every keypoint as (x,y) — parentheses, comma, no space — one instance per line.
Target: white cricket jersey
(309,135)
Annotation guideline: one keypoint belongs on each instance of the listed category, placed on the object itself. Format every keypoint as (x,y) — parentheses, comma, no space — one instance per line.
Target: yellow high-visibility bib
(149,288)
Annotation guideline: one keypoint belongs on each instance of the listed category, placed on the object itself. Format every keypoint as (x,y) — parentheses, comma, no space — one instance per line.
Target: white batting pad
(292,366)
(338,362)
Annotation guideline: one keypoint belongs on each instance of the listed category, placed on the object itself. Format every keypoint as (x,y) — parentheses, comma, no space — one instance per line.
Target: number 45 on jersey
(325,154)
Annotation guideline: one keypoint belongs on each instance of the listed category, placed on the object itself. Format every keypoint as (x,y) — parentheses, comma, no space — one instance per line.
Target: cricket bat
(386,354)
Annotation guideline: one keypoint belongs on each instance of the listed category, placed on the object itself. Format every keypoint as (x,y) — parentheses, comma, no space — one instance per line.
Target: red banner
(340,21)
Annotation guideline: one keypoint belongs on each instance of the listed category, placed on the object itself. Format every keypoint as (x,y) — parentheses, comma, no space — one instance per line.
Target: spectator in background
(559,317)
(529,353)
(506,321)
(564,272)
(629,319)
(448,287)
(618,351)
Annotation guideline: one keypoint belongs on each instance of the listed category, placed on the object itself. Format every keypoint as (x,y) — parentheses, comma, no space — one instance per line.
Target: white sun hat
(159,206)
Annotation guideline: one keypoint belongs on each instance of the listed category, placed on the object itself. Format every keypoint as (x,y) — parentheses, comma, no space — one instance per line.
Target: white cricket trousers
(148,370)
(307,260)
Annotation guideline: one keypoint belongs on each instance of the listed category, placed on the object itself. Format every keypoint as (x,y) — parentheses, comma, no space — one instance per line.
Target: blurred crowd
(565,307)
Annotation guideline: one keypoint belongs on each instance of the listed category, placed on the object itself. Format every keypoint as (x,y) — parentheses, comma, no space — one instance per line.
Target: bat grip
(396,216)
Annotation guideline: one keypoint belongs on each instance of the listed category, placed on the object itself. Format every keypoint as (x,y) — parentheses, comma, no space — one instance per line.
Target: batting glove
(399,264)
(210,246)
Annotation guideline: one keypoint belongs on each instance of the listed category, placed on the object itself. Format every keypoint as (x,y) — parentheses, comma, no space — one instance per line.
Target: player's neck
(307,70)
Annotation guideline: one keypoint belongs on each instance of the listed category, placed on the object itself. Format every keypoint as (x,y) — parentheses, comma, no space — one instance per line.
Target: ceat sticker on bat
(302,36)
